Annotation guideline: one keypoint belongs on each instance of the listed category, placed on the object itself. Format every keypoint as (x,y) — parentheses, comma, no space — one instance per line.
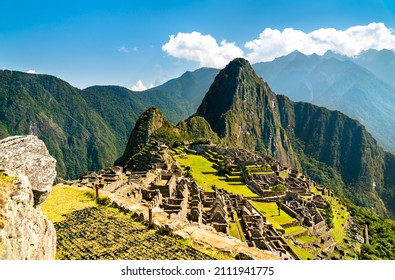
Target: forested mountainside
(88,129)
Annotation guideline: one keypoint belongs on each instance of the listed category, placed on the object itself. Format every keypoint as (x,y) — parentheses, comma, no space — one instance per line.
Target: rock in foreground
(27,172)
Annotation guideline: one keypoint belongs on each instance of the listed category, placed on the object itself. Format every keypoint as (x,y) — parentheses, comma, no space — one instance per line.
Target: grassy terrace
(269,209)
(340,217)
(302,253)
(205,175)
(88,231)
(64,200)
(236,229)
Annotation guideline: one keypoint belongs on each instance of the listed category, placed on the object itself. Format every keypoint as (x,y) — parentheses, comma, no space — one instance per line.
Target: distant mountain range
(362,87)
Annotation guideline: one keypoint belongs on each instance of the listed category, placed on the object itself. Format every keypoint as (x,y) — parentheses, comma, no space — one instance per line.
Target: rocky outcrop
(27,155)
(27,172)
(150,121)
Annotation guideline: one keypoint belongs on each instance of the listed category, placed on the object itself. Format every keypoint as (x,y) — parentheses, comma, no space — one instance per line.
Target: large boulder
(27,172)
(28,156)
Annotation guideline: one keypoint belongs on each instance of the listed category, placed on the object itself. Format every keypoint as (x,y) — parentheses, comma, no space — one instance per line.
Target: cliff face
(149,122)
(242,109)
(27,172)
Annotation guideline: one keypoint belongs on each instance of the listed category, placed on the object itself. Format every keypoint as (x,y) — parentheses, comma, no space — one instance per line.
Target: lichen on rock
(27,172)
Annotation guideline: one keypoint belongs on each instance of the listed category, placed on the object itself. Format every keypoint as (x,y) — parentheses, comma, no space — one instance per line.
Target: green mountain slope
(179,98)
(340,83)
(88,129)
(149,122)
(53,110)
(241,109)
(153,125)
(341,143)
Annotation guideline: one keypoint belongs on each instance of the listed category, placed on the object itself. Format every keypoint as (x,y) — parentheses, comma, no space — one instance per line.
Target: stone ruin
(181,197)
(304,211)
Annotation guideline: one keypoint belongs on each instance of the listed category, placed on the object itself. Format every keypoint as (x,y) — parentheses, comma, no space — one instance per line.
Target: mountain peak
(226,90)
(150,120)
(237,66)
(241,109)
(239,61)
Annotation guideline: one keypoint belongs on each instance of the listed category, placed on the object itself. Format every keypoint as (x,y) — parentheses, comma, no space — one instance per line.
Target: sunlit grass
(303,254)
(65,199)
(340,217)
(270,210)
(204,174)
(306,239)
(295,230)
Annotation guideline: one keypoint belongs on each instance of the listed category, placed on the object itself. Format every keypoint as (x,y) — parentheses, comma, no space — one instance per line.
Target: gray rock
(25,233)
(27,174)
(28,156)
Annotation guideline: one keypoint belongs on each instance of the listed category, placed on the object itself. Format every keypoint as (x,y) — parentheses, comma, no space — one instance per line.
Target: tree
(279,188)
(188,172)
(224,166)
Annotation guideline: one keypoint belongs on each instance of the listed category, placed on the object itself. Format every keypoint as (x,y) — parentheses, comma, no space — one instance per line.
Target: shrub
(279,188)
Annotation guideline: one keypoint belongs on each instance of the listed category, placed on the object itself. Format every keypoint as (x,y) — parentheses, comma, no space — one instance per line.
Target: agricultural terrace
(270,210)
(206,176)
(235,229)
(259,169)
(340,216)
(87,231)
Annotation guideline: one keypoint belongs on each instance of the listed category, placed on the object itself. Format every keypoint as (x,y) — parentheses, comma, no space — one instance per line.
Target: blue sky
(121,42)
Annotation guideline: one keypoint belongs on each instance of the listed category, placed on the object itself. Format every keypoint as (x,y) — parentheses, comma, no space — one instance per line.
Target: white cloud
(139,86)
(203,49)
(32,71)
(123,49)
(273,43)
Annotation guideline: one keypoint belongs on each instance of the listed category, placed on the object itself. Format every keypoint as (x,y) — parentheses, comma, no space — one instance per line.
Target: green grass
(269,209)
(306,239)
(303,254)
(284,175)
(233,231)
(262,172)
(89,231)
(201,165)
(295,230)
(239,228)
(63,200)
(340,217)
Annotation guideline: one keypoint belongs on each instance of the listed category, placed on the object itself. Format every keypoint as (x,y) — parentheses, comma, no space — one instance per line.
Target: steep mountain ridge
(149,122)
(240,108)
(339,83)
(55,112)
